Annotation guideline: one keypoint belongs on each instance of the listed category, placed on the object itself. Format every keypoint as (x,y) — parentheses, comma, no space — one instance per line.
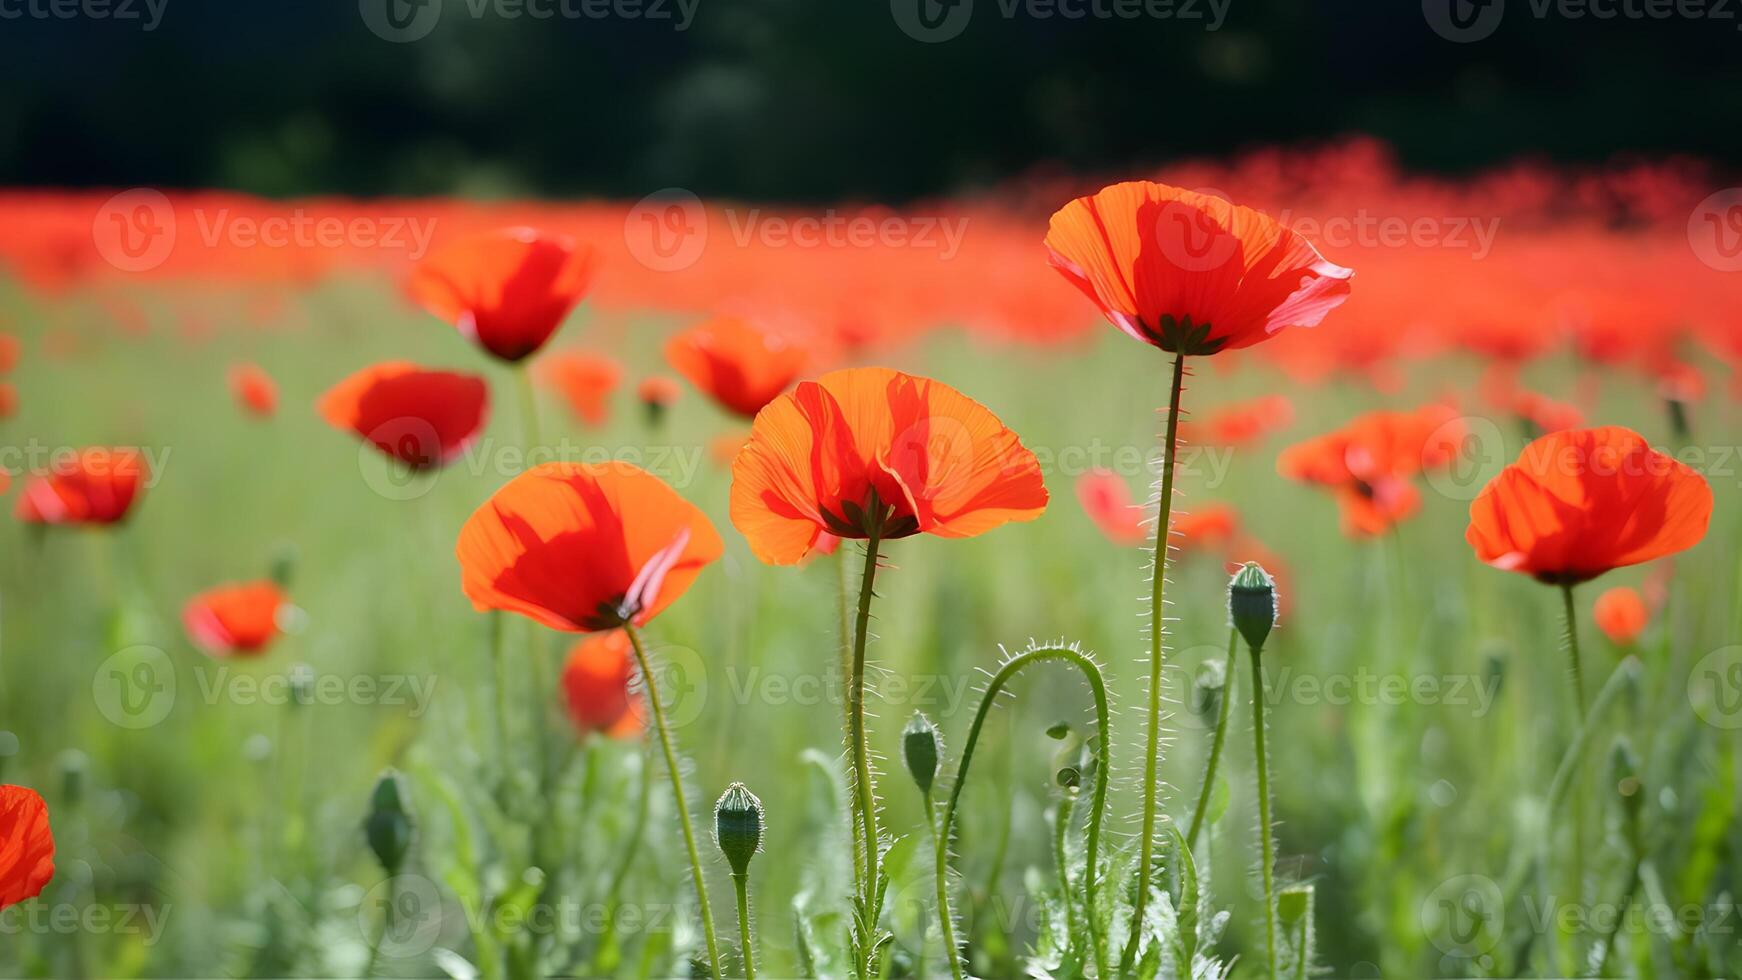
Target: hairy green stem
(845,604)
(683,806)
(741,882)
(1222,713)
(1267,845)
(865,793)
(1573,653)
(1158,582)
(1061,827)
(1092,844)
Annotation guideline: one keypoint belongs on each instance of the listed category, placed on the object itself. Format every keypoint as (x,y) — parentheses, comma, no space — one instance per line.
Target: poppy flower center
(1182,336)
(874,518)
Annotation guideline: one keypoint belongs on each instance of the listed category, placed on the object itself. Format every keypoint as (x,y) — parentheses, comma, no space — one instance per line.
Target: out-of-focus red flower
(1545,414)
(584,547)
(585,381)
(1579,503)
(234,620)
(1208,528)
(421,418)
(254,389)
(1679,381)
(1240,423)
(1367,464)
(1191,273)
(95,486)
(1107,500)
(740,365)
(9,347)
(26,845)
(508,290)
(8,400)
(657,389)
(1621,614)
(596,679)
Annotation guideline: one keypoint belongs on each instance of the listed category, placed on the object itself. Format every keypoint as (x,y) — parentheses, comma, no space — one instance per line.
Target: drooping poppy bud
(388,826)
(1252,603)
(738,827)
(920,747)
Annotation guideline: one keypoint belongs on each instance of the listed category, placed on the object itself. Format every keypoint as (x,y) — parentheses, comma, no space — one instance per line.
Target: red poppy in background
(585,381)
(1621,614)
(871,450)
(658,390)
(1367,464)
(239,619)
(1191,273)
(595,682)
(1240,423)
(1545,414)
(95,486)
(507,290)
(1107,500)
(8,400)
(1208,528)
(584,547)
(1581,502)
(739,365)
(421,418)
(254,389)
(9,347)
(26,845)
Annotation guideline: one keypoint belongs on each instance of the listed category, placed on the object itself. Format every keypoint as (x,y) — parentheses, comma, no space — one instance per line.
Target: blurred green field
(1419,704)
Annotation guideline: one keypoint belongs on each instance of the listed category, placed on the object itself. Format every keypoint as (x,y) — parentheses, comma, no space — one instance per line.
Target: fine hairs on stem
(865,792)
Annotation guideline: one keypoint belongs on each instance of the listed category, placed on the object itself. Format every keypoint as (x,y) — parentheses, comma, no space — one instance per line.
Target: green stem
(683,807)
(1158,582)
(1268,846)
(1222,713)
(1062,826)
(742,884)
(865,798)
(499,661)
(1092,845)
(1573,653)
(1577,858)
(386,925)
(845,605)
(528,410)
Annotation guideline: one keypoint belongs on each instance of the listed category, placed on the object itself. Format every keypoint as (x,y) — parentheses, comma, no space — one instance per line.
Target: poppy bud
(1252,603)
(738,827)
(920,745)
(388,826)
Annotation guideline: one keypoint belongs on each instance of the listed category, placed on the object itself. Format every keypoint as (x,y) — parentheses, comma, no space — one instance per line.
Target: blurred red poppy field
(1285,560)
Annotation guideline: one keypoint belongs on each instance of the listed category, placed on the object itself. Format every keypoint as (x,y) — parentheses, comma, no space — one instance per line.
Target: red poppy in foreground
(234,620)
(584,547)
(1581,502)
(1107,500)
(739,365)
(26,845)
(254,389)
(866,451)
(421,418)
(508,290)
(92,486)
(1621,614)
(1191,273)
(596,680)
(585,380)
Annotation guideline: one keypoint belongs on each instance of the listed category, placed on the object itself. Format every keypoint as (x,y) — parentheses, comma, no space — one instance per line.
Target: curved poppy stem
(683,806)
(865,798)
(1222,713)
(1158,582)
(1092,843)
(1268,845)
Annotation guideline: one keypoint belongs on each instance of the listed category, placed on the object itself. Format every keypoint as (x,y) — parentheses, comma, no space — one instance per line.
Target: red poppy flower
(1621,614)
(657,389)
(1107,500)
(1679,381)
(8,400)
(1546,414)
(1241,423)
(585,380)
(421,418)
(1367,464)
(1581,502)
(596,680)
(1207,528)
(26,845)
(584,547)
(871,449)
(236,619)
(254,389)
(739,365)
(508,290)
(92,486)
(1191,273)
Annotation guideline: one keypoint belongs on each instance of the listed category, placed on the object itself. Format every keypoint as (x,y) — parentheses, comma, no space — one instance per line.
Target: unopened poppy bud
(738,826)
(1252,603)
(920,745)
(388,826)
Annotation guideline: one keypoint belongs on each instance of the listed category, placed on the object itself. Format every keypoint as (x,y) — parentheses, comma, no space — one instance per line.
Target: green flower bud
(920,747)
(1252,603)
(388,826)
(738,826)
